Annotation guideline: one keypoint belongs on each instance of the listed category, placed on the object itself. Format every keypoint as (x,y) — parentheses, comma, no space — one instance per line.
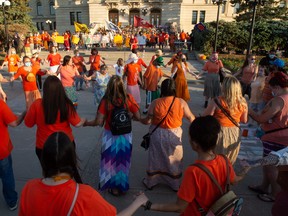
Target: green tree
(17,18)
(271,10)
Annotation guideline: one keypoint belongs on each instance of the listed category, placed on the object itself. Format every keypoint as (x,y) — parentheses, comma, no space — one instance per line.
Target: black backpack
(120,121)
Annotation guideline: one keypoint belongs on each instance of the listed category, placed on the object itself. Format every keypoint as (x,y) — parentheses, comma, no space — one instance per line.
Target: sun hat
(159,52)
(132,58)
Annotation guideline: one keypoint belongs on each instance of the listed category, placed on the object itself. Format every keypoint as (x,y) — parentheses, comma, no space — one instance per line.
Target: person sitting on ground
(57,194)
(196,185)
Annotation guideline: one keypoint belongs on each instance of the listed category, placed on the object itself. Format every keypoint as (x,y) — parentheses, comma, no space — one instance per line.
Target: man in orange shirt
(182,36)
(8,118)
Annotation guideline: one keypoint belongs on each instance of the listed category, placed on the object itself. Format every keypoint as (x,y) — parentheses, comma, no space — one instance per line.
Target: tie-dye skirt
(115,161)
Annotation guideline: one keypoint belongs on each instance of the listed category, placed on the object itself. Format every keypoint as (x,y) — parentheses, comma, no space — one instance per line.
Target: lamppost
(3,4)
(254,4)
(218,2)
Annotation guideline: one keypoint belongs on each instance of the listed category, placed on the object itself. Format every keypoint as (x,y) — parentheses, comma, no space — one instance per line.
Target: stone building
(61,14)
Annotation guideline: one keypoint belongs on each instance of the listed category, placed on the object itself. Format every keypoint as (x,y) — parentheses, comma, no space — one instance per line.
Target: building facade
(61,14)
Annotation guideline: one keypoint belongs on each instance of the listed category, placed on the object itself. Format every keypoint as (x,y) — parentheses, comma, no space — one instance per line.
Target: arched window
(39,8)
(132,13)
(114,16)
(51,8)
(155,17)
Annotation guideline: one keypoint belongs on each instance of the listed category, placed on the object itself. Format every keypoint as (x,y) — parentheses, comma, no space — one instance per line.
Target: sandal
(266,197)
(114,192)
(145,185)
(256,189)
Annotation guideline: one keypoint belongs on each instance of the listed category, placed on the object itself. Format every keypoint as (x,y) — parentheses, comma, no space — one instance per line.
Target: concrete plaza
(26,165)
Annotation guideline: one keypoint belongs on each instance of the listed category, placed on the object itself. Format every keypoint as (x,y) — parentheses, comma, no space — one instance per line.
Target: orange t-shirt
(182,36)
(223,119)
(6,117)
(12,62)
(45,200)
(152,77)
(197,185)
(27,86)
(95,62)
(54,59)
(35,115)
(132,106)
(68,74)
(213,67)
(36,62)
(78,62)
(132,71)
(176,113)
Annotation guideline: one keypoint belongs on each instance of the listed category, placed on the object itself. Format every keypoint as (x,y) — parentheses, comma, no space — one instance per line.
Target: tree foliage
(17,18)
(271,10)
(233,36)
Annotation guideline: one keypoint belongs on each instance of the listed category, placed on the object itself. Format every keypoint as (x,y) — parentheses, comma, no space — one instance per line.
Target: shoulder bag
(74,200)
(226,113)
(146,138)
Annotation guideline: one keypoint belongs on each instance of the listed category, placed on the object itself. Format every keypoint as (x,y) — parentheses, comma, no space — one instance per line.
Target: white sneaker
(13,208)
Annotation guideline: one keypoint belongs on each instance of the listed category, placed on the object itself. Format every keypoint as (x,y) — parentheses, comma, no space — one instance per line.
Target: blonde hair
(232,94)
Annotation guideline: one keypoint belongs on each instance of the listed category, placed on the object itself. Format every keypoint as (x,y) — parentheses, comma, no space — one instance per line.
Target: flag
(200,27)
(139,22)
(111,26)
(80,27)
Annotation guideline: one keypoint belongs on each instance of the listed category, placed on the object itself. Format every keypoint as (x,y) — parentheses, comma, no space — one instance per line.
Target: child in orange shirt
(11,60)
(196,184)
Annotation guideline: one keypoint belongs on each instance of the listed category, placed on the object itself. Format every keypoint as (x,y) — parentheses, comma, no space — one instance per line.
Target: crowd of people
(118,101)
(128,38)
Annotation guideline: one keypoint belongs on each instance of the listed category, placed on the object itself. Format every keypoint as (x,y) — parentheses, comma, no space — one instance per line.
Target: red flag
(139,22)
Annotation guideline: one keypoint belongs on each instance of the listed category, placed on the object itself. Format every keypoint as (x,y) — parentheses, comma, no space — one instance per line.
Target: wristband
(148,205)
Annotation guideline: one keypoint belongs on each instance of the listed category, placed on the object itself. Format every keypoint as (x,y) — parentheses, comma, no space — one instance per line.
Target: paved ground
(26,164)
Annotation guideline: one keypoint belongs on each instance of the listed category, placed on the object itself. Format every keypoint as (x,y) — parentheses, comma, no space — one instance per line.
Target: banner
(80,27)
(139,22)
(111,26)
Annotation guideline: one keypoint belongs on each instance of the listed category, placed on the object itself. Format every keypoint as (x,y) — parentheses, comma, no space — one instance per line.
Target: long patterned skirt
(71,94)
(165,158)
(115,161)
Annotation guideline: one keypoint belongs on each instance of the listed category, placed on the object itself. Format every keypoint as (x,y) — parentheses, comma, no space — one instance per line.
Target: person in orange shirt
(165,152)
(68,73)
(57,194)
(28,74)
(95,60)
(79,62)
(54,118)
(12,60)
(66,41)
(8,118)
(182,36)
(54,59)
(132,77)
(36,61)
(234,103)
(180,70)
(212,87)
(31,41)
(197,185)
